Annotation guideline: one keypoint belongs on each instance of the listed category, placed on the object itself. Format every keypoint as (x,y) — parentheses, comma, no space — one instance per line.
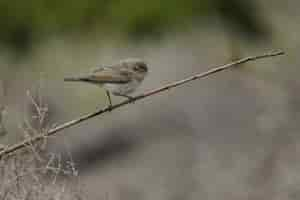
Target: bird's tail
(73,79)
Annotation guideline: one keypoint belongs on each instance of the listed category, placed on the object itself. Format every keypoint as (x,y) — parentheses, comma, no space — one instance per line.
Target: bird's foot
(109,107)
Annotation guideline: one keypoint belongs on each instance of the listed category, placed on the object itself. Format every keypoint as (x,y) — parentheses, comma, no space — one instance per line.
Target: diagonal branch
(27,142)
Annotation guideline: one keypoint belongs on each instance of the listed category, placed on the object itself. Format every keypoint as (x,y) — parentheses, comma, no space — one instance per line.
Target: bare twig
(2,108)
(2,128)
(53,131)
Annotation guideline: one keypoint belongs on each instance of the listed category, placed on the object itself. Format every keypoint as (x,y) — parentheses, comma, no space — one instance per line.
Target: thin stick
(23,144)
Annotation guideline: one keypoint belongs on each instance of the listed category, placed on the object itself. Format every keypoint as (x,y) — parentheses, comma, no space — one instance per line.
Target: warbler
(120,79)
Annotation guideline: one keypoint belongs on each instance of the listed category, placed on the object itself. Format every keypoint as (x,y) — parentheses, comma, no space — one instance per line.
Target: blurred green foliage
(22,22)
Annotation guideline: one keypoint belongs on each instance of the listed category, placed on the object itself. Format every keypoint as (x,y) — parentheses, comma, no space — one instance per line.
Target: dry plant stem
(53,131)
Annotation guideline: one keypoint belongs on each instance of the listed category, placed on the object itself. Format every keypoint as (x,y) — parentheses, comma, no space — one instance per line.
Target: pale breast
(122,89)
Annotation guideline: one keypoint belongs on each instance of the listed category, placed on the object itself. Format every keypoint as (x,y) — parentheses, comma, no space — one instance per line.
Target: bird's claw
(110,107)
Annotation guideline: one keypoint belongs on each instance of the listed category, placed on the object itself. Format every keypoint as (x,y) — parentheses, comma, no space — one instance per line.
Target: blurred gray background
(231,136)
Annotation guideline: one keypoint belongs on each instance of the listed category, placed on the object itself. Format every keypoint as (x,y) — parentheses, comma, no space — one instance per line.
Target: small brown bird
(120,79)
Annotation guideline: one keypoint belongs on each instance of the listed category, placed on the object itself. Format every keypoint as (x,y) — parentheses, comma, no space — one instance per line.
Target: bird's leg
(109,98)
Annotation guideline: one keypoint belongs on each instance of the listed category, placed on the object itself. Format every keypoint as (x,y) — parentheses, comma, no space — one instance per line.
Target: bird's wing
(107,75)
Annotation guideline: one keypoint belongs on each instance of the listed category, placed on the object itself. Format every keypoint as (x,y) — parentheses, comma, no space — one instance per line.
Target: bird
(119,79)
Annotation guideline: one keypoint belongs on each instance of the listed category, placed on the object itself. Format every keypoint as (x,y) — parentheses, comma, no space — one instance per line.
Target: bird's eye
(136,68)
